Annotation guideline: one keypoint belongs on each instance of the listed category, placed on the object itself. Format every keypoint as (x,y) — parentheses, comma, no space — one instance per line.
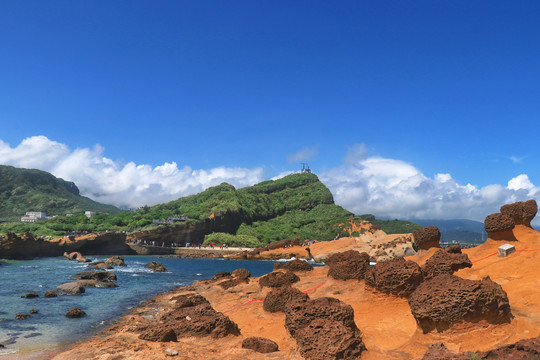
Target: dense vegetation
(23,190)
(297,205)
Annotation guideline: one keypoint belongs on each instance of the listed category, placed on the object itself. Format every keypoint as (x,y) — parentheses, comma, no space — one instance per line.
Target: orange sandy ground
(388,327)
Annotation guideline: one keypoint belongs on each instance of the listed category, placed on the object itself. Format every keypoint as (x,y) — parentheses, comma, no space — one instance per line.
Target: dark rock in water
(21,316)
(30,295)
(159,334)
(522,212)
(50,294)
(72,288)
(294,265)
(31,335)
(427,237)
(279,298)
(260,344)
(33,311)
(241,273)
(324,328)
(74,313)
(104,266)
(499,227)
(2,346)
(155,266)
(97,284)
(348,265)
(97,275)
(396,276)
(278,278)
(447,299)
(221,275)
(444,262)
(193,316)
(115,261)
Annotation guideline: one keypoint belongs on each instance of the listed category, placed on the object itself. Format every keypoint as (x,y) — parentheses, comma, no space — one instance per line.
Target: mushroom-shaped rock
(447,299)
(522,212)
(348,265)
(50,294)
(499,227)
(71,288)
(159,334)
(396,276)
(278,278)
(115,261)
(155,266)
(294,265)
(444,262)
(30,295)
(260,344)
(279,298)
(324,328)
(74,313)
(427,237)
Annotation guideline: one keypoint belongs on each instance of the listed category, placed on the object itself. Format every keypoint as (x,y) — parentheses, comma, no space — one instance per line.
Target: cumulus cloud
(113,182)
(395,188)
(302,155)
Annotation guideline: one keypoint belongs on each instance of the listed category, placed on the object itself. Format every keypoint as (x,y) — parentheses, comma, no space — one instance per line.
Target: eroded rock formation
(499,227)
(427,237)
(75,313)
(279,298)
(293,265)
(522,212)
(156,266)
(447,299)
(348,265)
(445,262)
(115,261)
(260,344)
(278,278)
(396,276)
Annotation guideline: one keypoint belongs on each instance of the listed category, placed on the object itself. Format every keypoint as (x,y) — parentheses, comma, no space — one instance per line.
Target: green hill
(23,190)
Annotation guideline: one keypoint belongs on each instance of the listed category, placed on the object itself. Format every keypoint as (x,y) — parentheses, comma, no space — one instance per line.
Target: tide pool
(50,328)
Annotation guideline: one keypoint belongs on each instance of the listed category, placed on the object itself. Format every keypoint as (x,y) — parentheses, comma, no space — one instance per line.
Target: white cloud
(516,159)
(112,182)
(355,153)
(396,189)
(302,155)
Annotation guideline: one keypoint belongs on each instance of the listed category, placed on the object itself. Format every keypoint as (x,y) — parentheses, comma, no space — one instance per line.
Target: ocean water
(50,328)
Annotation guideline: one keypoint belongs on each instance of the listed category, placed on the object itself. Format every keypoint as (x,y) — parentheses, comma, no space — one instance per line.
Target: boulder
(396,276)
(427,237)
(278,278)
(115,261)
(156,266)
(97,275)
(444,262)
(499,227)
(159,334)
(33,311)
(71,288)
(522,212)
(348,265)
(447,299)
(453,249)
(221,275)
(50,294)
(74,313)
(189,300)
(102,266)
(241,273)
(74,255)
(279,298)
(293,265)
(30,295)
(260,344)
(324,328)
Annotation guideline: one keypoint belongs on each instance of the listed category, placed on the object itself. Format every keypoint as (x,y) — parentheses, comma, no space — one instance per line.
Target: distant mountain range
(459,230)
(23,190)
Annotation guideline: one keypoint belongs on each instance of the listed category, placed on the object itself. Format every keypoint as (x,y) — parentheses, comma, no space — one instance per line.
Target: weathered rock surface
(241,273)
(260,344)
(221,275)
(324,328)
(444,262)
(156,266)
(30,295)
(348,265)
(189,300)
(522,212)
(438,351)
(447,299)
(71,288)
(279,298)
(115,261)
(396,276)
(427,237)
(294,265)
(499,227)
(74,313)
(159,334)
(278,278)
(239,276)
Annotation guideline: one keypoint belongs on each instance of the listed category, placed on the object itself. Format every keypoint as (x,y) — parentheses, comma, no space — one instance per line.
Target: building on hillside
(34,216)
(89,214)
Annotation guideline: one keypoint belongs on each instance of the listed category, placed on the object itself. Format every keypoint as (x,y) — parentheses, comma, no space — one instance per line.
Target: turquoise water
(51,328)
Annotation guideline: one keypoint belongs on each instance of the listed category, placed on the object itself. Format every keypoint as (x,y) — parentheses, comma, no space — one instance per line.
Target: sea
(49,328)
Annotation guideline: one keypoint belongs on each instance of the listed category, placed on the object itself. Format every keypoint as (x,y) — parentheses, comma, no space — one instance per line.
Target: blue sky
(246,90)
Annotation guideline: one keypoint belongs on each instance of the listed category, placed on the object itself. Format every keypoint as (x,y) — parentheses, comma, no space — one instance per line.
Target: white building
(34,216)
(89,214)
